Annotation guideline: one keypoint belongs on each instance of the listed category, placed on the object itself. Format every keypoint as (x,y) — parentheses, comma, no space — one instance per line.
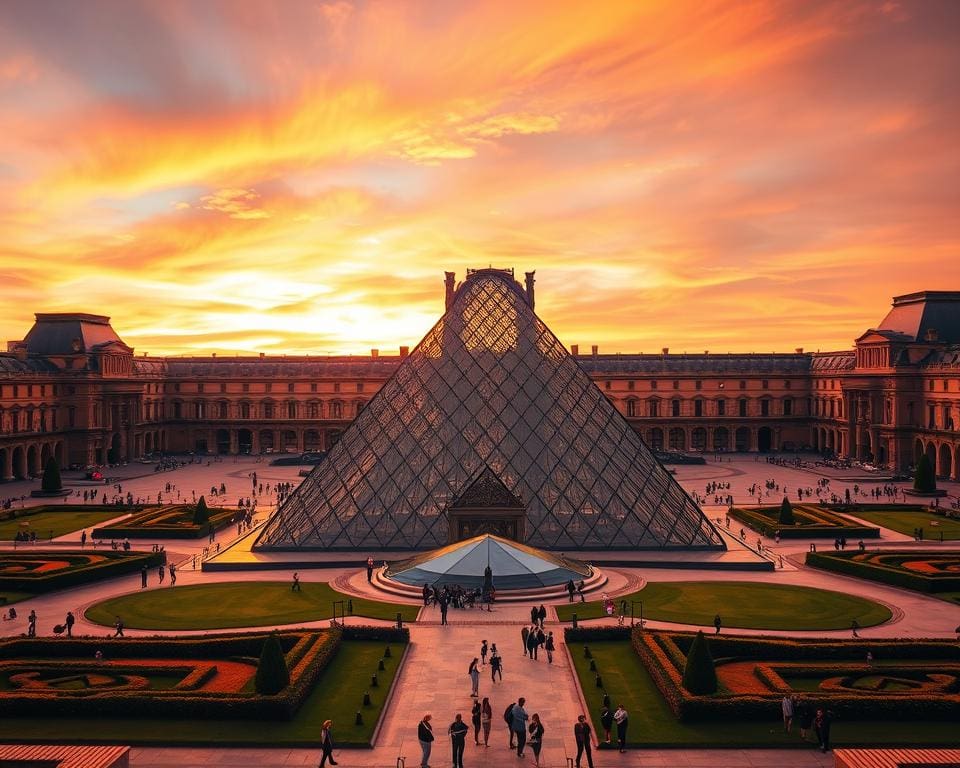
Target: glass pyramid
(513,566)
(489,388)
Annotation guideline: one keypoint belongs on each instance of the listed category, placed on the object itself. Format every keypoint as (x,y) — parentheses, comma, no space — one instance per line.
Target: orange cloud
(693,175)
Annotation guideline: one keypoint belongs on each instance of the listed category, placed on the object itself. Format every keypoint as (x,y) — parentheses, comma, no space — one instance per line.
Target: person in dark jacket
(326,743)
(821,726)
(581,732)
(458,737)
(536,737)
(425,737)
(475,719)
(606,720)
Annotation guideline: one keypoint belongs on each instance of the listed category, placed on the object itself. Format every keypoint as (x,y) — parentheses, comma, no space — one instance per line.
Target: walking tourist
(532,644)
(32,624)
(803,713)
(786,707)
(483,653)
(524,637)
(606,720)
(458,737)
(508,719)
(474,672)
(295,586)
(143,577)
(581,732)
(486,720)
(571,588)
(118,627)
(520,718)
(550,647)
(536,737)
(69,622)
(160,573)
(425,737)
(496,665)
(717,623)
(620,718)
(855,628)
(173,574)
(326,743)
(370,569)
(821,726)
(542,615)
(475,718)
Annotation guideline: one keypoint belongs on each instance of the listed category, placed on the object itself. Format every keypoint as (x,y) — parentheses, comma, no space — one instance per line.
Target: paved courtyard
(434,677)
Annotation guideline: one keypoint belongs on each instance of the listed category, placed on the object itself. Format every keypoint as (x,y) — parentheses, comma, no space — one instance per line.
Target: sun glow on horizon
(295,178)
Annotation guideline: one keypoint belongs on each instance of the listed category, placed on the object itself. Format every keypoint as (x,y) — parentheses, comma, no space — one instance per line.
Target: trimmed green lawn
(652,724)
(753,605)
(905,521)
(236,604)
(338,695)
(58,522)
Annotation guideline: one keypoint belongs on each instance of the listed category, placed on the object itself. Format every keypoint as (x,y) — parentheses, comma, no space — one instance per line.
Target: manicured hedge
(117,563)
(847,563)
(15,514)
(146,523)
(307,654)
(662,654)
(315,651)
(822,523)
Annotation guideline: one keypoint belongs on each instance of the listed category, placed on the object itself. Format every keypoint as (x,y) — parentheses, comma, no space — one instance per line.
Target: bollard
(574,621)
(373,681)
(350,606)
(366,698)
(606,700)
(593,665)
(387,653)
(381,666)
(599,681)
(399,620)
(586,652)
(358,720)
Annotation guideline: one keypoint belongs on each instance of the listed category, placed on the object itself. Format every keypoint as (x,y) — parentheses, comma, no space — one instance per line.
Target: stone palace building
(73,389)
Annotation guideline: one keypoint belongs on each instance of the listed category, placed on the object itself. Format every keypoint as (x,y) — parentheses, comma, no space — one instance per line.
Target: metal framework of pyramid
(489,388)
(513,566)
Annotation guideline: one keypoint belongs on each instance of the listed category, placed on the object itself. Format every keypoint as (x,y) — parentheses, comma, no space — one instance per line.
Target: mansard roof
(919,315)
(69,333)
(823,362)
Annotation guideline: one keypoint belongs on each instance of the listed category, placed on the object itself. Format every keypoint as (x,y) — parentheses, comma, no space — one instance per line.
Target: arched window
(336,410)
(223,407)
(675,407)
(742,405)
(244,410)
(292,409)
(631,408)
(267,407)
(653,409)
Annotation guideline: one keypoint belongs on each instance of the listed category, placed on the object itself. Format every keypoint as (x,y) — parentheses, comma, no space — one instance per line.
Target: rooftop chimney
(374,353)
(404,351)
(448,284)
(262,355)
(799,350)
(594,349)
(530,282)
(665,351)
(574,349)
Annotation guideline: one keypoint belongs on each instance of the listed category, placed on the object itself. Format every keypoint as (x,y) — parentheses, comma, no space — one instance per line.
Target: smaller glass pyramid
(514,566)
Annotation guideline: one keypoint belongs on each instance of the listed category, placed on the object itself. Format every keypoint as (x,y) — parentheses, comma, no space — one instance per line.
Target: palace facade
(74,390)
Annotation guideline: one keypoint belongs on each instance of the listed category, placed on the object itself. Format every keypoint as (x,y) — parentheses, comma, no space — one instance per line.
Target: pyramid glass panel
(489,389)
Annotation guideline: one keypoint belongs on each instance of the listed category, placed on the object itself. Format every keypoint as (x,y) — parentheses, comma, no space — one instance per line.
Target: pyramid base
(388,586)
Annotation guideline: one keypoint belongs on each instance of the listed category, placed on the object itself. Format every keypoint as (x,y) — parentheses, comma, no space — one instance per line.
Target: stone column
(7,468)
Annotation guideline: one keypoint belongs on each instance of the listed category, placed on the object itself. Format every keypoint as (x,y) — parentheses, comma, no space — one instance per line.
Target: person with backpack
(425,737)
(508,719)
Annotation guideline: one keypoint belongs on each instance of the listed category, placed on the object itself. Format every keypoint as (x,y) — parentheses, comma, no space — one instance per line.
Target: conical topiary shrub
(51,482)
(699,674)
(201,515)
(924,479)
(272,673)
(786,512)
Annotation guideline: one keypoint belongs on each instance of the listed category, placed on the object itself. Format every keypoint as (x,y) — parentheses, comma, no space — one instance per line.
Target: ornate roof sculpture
(489,387)
(513,566)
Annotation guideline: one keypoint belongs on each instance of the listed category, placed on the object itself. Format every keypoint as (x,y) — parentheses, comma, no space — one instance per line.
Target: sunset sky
(295,176)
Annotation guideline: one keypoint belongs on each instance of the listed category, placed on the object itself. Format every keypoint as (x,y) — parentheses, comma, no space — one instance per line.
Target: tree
(272,673)
(51,482)
(924,480)
(201,515)
(699,674)
(786,512)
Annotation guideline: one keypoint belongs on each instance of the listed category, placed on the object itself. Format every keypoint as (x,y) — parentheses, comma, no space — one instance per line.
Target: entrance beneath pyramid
(487,506)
